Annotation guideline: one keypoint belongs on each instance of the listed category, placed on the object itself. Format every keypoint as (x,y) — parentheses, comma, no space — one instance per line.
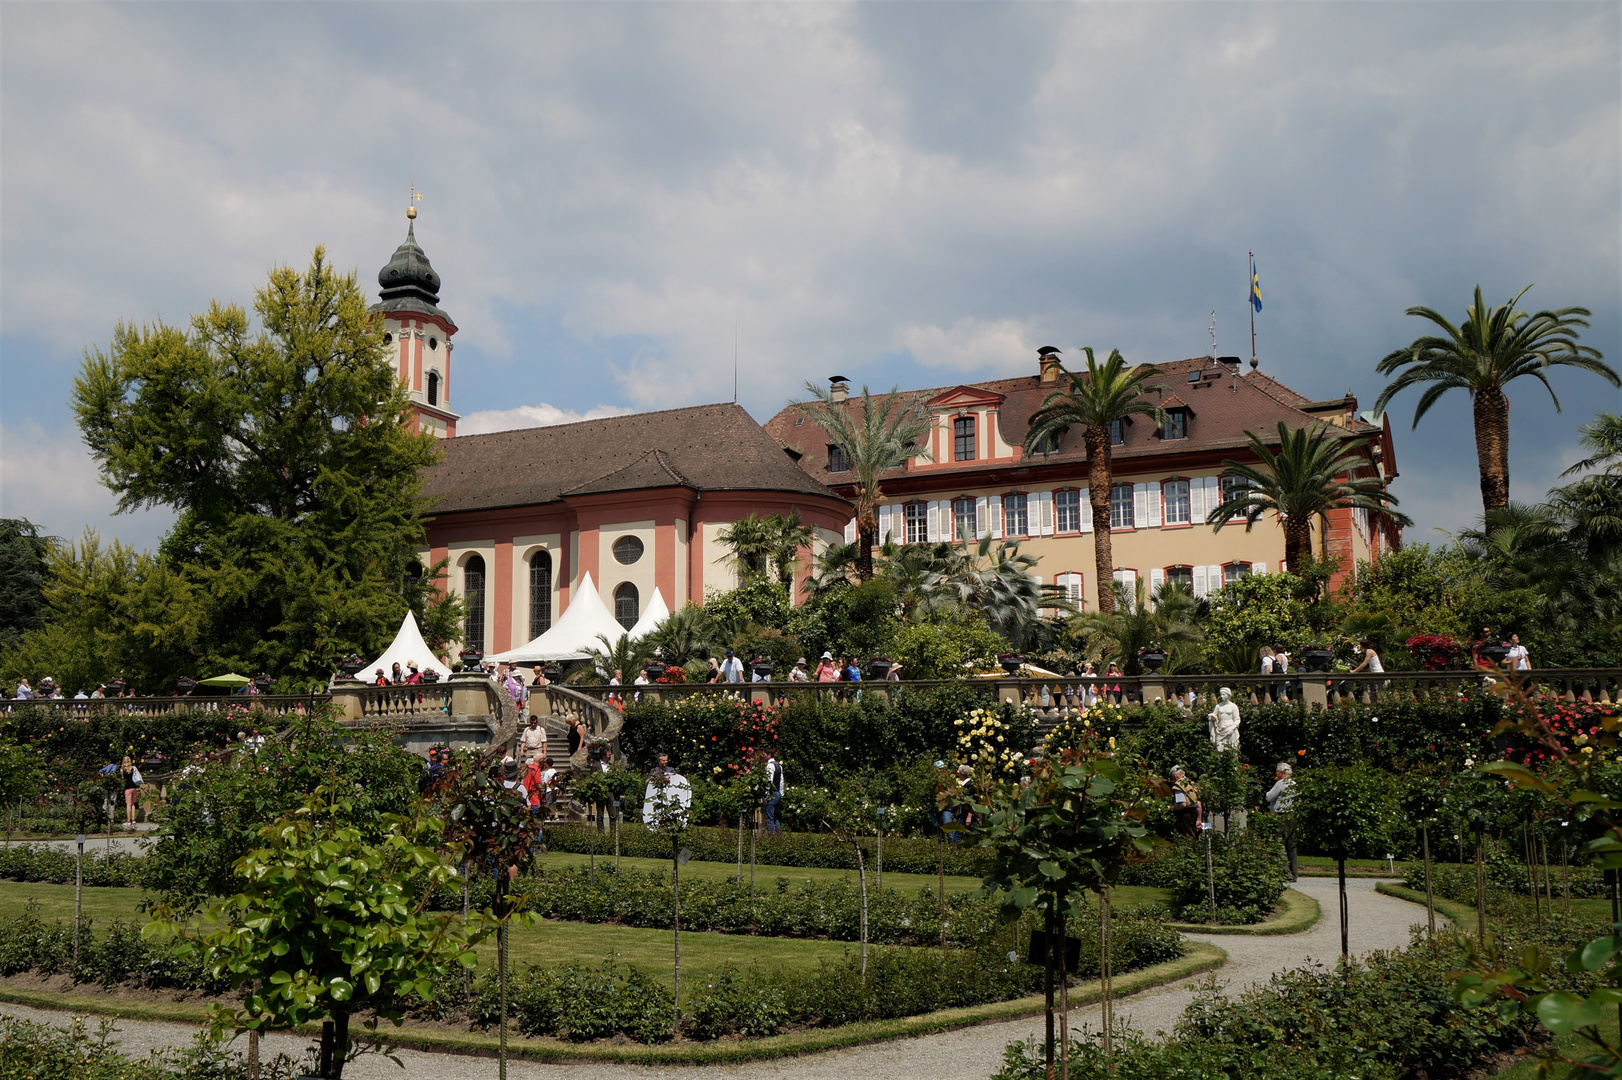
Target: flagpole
(1250,302)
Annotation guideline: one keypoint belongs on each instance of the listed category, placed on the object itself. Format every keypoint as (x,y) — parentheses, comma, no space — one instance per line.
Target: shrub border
(1198,956)
(1301,912)
(1461,915)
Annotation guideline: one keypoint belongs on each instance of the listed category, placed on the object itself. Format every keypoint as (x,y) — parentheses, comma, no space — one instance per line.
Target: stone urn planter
(1494,652)
(1316,658)
(471,658)
(1152,659)
(1011,662)
(878,670)
(762,667)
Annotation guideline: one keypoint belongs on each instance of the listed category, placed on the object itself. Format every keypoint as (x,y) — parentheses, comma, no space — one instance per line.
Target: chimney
(1229,362)
(838,388)
(1047,359)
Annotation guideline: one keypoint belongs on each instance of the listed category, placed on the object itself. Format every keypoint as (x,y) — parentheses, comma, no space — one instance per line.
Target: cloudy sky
(902,193)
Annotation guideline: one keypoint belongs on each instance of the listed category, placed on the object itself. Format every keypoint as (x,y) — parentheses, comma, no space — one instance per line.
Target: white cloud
(481,423)
(1003,347)
(893,192)
(51,480)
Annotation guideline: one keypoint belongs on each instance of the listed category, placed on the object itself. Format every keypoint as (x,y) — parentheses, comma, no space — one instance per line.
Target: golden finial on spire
(416,197)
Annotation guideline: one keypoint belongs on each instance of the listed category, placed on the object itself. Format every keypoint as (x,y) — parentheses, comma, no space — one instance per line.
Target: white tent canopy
(407,645)
(655,614)
(575,632)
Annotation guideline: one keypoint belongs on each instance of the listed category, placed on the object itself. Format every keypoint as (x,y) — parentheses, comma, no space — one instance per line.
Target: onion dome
(408,280)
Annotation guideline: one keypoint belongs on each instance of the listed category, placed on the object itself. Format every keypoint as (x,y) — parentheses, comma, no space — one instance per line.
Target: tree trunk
(861,874)
(1345,923)
(1491,408)
(1098,485)
(1298,542)
(867,535)
(675,908)
(1430,897)
(1047,989)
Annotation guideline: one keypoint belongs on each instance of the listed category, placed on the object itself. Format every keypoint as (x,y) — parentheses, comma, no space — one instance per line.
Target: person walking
(1186,808)
(1281,801)
(1281,666)
(1269,688)
(827,670)
(577,736)
(799,674)
(774,792)
(732,668)
(532,740)
(132,785)
(1113,690)
(713,675)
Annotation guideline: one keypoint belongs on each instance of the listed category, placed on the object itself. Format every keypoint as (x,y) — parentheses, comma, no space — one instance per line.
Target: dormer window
(1117,432)
(1047,444)
(837,461)
(1176,425)
(963,440)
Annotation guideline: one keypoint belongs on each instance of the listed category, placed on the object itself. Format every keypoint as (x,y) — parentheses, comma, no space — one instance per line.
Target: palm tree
(622,655)
(789,536)
(1094,401)
(688,634)
(877,435)
(997,582)
(832,568)
(1133,623)
(1481,356)
(753,541)
(1313,473)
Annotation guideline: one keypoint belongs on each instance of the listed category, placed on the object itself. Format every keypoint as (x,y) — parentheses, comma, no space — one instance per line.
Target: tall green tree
(1313,472)
(1094,401)
(23,552)
(287,453)
(1481,356)
(875,435)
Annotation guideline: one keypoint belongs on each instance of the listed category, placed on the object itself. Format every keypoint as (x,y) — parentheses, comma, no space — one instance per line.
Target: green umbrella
(231,679)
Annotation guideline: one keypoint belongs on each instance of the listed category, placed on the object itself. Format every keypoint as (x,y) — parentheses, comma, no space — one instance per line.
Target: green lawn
(765,875)
(544,943)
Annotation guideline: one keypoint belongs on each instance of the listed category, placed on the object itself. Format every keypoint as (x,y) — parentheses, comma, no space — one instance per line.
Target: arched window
(473,597)
(433,388)
(540,593)
(627,605)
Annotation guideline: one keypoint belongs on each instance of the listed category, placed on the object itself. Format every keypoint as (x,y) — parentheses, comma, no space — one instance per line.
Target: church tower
(418,332)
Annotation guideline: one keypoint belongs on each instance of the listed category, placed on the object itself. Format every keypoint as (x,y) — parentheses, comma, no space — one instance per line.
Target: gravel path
(1377,922)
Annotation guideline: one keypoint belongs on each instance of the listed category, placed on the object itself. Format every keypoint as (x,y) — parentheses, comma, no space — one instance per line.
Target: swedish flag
(1255,287)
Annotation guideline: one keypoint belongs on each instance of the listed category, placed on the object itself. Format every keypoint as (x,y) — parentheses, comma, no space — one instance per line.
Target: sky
(628,204)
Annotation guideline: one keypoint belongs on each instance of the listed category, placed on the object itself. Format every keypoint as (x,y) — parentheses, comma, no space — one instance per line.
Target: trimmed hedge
(27,862)
(1249,871)
(1388,1016)
(905,855)
(118,958)
(582,1002)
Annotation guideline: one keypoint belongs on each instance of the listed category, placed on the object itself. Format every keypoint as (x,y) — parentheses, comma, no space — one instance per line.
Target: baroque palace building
(638,502)
(981,479)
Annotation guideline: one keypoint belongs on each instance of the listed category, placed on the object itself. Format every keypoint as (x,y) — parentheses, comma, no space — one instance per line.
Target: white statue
(1224,721)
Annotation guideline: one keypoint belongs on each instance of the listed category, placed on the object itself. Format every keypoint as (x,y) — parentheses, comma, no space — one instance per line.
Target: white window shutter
(884,522)
(1196,501)
(1213,494)
(1045,505)
(994,510)
(982,520)
(850,531)
(1258,568)
(1199,582)
(1157,578)
(1140,506)
(1283,567)
(1086,512)
(1151,496)
(1213,580)
(932,522)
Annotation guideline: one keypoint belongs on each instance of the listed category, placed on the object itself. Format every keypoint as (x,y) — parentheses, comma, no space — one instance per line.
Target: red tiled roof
(1227,404)
(704,447)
